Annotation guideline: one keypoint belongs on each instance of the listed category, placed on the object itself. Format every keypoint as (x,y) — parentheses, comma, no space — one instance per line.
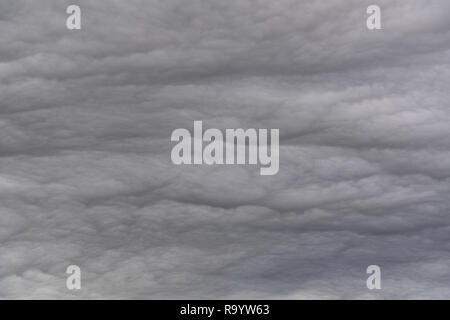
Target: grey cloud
(85,171)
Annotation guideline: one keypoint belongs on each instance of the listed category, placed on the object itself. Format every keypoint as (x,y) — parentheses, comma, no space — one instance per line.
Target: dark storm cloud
(85,171)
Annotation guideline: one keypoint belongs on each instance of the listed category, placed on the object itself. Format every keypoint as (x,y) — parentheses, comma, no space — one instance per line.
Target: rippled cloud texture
(85,170)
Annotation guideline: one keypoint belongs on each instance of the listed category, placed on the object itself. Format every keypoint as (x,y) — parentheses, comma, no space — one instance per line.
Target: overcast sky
(85,171)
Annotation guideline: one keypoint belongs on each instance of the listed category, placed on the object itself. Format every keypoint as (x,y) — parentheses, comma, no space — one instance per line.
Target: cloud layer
(85,170)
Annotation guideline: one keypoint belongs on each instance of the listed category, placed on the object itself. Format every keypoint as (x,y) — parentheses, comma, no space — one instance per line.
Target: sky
(86,177)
